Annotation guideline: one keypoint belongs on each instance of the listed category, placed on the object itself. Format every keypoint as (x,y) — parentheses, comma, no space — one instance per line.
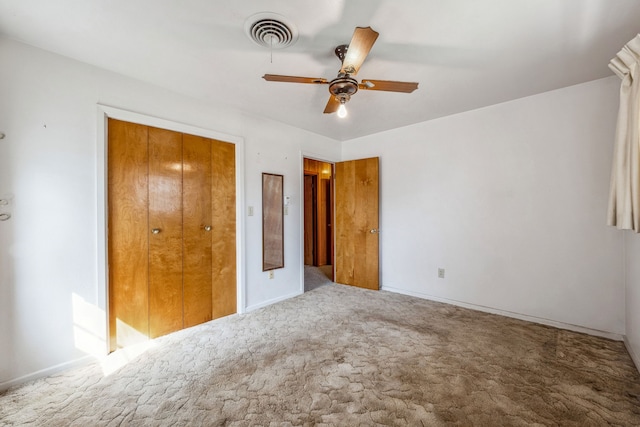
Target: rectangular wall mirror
(272,222)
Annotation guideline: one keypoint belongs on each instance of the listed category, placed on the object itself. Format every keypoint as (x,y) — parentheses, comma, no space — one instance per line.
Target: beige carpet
(314,277)
(344,356)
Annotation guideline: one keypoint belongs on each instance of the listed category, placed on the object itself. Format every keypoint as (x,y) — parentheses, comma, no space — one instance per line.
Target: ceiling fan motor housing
(343,86)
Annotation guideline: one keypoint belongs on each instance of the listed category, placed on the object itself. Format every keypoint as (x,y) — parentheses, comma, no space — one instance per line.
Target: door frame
(104,112)
(320,158)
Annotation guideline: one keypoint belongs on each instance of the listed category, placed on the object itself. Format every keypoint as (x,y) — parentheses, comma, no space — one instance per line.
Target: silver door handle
(207,228)
(5,216)
(155,230)
(374,231)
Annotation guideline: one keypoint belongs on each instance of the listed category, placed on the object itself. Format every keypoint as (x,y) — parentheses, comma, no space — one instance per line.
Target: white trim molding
(273,301)
(533,319)
(634,356)
(77,363)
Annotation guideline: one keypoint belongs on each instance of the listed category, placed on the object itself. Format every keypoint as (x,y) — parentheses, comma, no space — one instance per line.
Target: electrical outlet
(271,275)
(286,210)
(441,273)
(250,210)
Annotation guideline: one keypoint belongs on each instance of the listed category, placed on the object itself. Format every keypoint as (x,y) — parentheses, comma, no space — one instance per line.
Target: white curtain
(624,194)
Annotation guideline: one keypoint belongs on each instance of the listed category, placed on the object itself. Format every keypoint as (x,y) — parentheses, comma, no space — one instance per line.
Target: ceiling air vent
(271,30)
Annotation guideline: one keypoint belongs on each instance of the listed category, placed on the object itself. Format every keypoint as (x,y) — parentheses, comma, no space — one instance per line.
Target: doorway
(318,223)
(341,222)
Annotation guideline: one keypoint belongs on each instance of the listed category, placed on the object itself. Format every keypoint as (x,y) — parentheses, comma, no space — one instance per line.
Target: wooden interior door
(165,232)
(318,212)
(309,219)
(128,225)
(356,223)
(328,192)
(223,233)
(197,228)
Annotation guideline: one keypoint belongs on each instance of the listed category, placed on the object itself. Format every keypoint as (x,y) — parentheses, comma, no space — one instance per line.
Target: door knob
(5,216)
(155,230)
(207,228)
(374,231)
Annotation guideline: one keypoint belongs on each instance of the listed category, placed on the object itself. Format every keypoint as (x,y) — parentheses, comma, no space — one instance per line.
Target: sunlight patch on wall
(89,327)
(90,332)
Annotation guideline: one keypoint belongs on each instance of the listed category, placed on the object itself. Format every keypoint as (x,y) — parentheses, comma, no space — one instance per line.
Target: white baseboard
(618,337)
(534,319)
(87,359)
(46,372)
(273,301)
(634,356)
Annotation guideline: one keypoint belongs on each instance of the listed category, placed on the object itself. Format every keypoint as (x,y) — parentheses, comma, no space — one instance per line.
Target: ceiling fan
(344,86)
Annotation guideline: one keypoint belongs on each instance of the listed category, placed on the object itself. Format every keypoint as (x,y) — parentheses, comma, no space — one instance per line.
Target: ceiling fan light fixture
(342,109)
(270,30)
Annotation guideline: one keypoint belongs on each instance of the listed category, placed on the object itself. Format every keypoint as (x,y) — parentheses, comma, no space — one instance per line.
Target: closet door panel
(128,226)
(165,232)
(197,229)
(224,228)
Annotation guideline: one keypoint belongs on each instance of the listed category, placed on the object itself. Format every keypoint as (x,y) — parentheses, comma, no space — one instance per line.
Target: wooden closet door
(165,232)
(128,249)
(223,198)
(172,239)
(197,229)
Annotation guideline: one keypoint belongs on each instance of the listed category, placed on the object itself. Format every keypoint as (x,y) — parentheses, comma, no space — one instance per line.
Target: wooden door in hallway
(318,212)
(310,219)
(356,223)
(171,219)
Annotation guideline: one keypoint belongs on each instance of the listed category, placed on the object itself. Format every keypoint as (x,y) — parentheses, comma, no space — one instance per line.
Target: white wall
(48,163)
(632,295)
(510,200)
(269,149)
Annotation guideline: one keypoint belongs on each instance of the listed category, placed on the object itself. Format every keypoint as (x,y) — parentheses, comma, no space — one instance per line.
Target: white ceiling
(465,54)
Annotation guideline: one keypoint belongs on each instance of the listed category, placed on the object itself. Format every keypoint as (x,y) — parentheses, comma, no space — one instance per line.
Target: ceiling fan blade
(332,105)
(359,47)
(388,86)
(293,79)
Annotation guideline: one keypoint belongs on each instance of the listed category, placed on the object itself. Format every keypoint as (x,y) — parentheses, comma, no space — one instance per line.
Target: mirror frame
(272,221)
